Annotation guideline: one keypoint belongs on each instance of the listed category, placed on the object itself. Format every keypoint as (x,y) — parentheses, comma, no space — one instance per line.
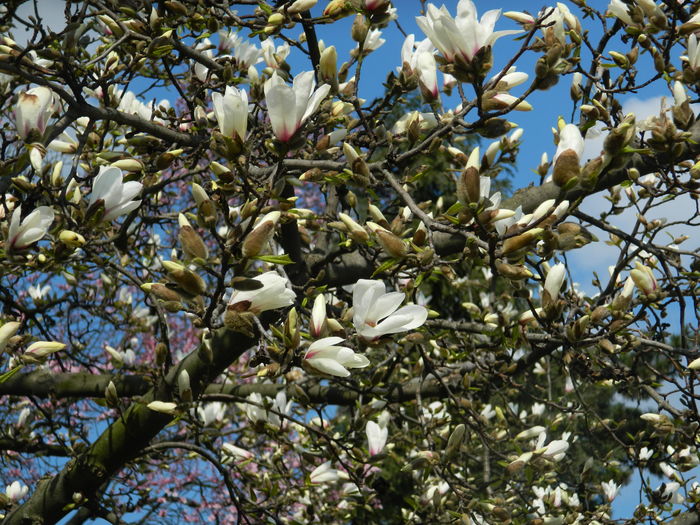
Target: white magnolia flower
(693,56)
(109,186)
(273,294)
(23,233)
(33,110)
(373,41)
(210,413)
(232,451)
(377,313)
(644,278)
(326,357)
(324,473)
(376,437)
(245,53)
(272,55)
(570,138)
(425,122)
(618,9)
(610,489)
(290,106)
(462,37)
(318,316)
(554,280)
(200,70)
(231,110)
(16,491)
(421,61)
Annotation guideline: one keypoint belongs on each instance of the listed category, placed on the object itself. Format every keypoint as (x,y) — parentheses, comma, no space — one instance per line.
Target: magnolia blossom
(373,41)
(618,9)
(570,138)
(110,188)
(324,473)
(273,294)
(33,110)
(274,56)
(200,70)
(610,489)
(231,110)
(16,491)
(244,53)
(28,231)
(326,357)
(554,280)
(209,413)
(421,61)
(424,122)
(290,107)
(232,451)
(376,437)
(377,313)
(318,316)
(644,278)
(693,56)
(461,37)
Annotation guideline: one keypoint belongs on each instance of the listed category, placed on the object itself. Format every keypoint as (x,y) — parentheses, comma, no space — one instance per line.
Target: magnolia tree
(274,298)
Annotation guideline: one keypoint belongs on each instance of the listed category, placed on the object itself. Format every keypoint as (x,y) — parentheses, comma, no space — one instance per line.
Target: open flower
(377,313)
(421,61)
(291,106)
(325,357)
(273,294)
(110,188)
(462,37)
(34,107)
(34,226)
(231,111)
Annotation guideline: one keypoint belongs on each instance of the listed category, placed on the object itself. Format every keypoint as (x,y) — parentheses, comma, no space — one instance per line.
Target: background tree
(270,297)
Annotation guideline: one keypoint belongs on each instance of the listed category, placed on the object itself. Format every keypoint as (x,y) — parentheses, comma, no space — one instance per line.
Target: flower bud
(111,396)
(183,385)
(71,239)
(192,244)
(186,279)
(256,240)
(7,331)
(163,407)
(40,350)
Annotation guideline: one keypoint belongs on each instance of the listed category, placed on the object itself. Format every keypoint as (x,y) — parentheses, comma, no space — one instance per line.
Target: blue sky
(548,106)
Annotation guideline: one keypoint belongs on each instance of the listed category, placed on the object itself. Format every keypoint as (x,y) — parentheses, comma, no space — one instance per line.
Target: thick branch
(126,437)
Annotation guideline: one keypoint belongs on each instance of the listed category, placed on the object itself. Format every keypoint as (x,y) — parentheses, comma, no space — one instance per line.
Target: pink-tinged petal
(14,224)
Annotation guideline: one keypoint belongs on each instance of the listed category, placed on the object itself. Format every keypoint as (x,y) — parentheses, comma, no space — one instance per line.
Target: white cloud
(597,257)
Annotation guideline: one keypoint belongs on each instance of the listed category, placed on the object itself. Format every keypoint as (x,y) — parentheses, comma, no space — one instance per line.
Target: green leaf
(275,259)
(384,266)
(7,375)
